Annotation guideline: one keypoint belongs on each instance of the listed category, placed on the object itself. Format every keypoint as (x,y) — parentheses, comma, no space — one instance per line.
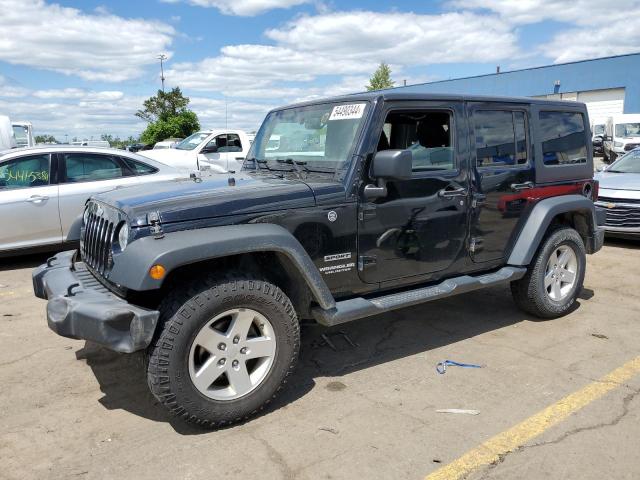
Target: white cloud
(399,38)
(247,8)
(596,29)
(10,89)
(85,113)
(349,44)
(98,46)
(79,93)
(581,12)
(217,113)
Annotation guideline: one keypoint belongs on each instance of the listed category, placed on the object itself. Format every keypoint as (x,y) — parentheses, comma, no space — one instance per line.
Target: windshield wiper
(298,166)
(259,163)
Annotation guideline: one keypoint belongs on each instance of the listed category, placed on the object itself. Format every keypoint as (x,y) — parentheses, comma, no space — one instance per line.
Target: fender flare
(540,218)
(186,247)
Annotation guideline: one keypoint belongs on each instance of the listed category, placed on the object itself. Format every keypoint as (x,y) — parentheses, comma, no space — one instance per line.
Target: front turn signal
(157,272)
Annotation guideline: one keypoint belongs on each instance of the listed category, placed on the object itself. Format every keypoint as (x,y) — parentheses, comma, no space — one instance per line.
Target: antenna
(162,57)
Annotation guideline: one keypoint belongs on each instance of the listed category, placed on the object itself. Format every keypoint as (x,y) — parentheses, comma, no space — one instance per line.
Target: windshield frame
(193,135)
(341,169)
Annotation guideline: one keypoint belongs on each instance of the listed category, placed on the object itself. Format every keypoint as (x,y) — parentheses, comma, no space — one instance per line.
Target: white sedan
(43,189)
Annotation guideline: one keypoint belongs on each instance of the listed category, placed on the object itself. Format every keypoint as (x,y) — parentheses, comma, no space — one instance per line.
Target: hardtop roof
(396,95)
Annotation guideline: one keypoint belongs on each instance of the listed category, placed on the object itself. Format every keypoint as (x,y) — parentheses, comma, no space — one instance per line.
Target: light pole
(162,57)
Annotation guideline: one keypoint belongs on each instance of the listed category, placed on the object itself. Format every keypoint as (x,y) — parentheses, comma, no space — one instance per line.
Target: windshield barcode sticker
(347,112)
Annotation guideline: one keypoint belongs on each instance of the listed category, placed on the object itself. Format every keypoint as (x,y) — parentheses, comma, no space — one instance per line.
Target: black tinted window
(501,138)
(563,138)
(139,168)
(89,167)
(426,134)
(24,172)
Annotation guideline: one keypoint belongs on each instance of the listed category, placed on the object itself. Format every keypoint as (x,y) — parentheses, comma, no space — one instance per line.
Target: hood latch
(154,225)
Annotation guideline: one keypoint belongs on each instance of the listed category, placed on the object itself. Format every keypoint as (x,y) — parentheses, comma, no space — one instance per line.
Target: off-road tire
(183,313)
(529,292)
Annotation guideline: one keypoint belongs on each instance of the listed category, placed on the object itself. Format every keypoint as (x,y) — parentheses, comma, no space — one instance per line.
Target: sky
(83,68)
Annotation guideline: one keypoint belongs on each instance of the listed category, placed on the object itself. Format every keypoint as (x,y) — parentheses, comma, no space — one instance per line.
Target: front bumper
(80,307)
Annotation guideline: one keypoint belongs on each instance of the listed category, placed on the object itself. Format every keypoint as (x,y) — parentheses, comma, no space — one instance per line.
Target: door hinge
(366,212)
(475,244)
(155,227)
(478,200)
(365,261)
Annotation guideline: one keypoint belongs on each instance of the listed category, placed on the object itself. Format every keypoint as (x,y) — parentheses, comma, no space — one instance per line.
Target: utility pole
(162,57)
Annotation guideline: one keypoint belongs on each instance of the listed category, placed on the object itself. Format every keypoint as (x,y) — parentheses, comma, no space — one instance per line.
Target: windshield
(320,137)
(628,130)
(192,141)
(629,163)
(598,129)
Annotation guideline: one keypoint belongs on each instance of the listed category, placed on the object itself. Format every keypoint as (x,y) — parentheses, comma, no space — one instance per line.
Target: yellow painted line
(519,435)
(7,294)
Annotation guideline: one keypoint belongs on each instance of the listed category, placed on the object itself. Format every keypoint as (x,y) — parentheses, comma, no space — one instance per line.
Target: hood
(618,181)
(219,196)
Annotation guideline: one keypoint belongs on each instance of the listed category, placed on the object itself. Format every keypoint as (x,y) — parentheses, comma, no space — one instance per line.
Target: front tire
(555,276)
(223,349)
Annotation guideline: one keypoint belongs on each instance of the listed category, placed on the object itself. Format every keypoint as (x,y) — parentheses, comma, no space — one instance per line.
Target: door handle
(37,198)
(456,192)
(516,187)
(239,158)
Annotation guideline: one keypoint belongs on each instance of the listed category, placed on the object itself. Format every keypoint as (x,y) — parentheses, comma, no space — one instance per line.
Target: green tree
(178,126)
(45,139)
(168,116)
(381,79)
(163,106)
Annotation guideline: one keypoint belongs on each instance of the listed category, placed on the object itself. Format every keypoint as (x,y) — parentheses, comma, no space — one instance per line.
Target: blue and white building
(608,85)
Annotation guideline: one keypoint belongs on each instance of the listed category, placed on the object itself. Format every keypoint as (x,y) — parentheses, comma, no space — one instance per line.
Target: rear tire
(555,276)
(223,349)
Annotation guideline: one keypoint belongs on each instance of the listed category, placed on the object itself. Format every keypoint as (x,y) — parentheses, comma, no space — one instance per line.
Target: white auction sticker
(347,112)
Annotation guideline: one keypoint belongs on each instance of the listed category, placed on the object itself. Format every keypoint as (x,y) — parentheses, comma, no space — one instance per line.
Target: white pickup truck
(218,151)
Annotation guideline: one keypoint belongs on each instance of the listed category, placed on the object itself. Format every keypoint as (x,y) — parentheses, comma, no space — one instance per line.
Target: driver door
(419,228)
(227,147)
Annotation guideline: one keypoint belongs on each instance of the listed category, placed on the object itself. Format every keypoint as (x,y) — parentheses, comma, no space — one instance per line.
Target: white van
(622,134)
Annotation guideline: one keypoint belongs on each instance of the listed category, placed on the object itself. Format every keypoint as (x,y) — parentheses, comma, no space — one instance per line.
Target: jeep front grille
(97,239)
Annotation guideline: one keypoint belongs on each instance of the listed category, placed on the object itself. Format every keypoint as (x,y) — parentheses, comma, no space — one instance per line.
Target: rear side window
(25,172)
(90,167)
(139,168)
(563,138)
(501,138)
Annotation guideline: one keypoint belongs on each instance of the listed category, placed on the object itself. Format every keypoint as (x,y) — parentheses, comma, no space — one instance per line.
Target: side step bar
(355,308)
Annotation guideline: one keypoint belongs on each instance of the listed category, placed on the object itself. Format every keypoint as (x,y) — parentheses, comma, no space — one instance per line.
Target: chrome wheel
(232,354)
(561,273)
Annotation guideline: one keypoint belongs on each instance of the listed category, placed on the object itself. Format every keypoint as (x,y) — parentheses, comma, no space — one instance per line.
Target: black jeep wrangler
(345,208)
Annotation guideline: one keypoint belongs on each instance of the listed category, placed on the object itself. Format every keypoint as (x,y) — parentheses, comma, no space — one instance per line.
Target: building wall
(599,74)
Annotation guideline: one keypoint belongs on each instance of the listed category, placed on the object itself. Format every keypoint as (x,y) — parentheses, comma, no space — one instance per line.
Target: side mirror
(392,165)
(209,149)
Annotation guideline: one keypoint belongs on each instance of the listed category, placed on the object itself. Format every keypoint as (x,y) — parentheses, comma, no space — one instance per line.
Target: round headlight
(123,236)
